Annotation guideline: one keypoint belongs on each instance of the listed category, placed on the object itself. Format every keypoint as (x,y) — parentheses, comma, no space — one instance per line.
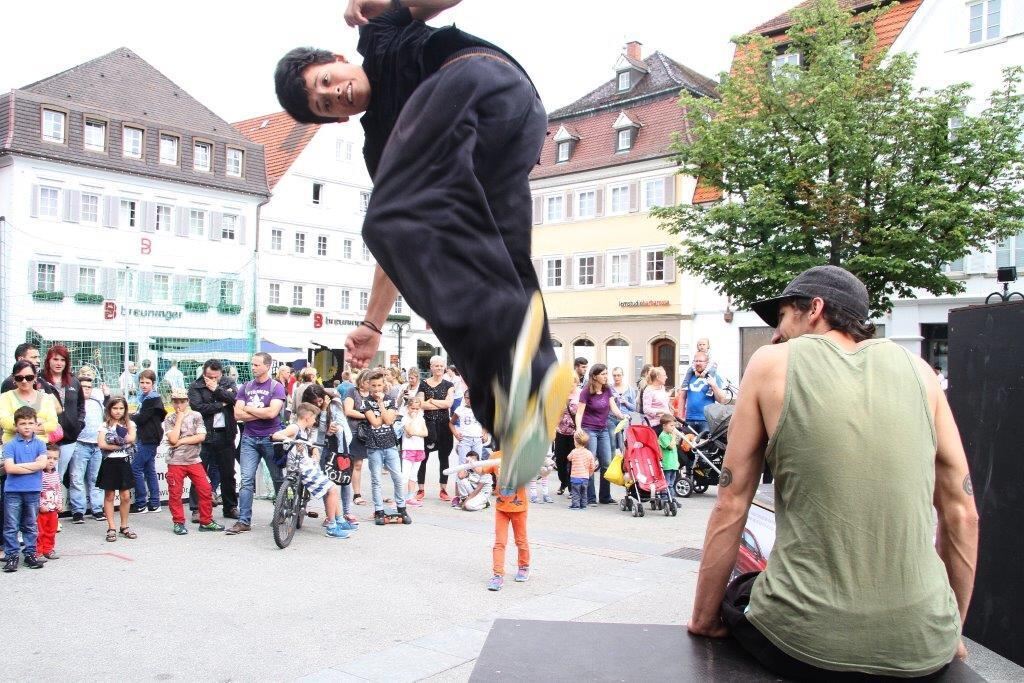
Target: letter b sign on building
(318,320)
(109,310)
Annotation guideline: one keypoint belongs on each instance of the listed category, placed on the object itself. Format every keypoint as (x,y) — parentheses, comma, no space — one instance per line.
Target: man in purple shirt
(258,405)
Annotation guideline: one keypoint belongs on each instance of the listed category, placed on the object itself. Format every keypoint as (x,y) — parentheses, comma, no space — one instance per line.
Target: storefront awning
(236,350)
(52,334)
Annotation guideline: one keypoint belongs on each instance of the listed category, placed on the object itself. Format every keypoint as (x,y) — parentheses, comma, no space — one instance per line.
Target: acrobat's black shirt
(399,53)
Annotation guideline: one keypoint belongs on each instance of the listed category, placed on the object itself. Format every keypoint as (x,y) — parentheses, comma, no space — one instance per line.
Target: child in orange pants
(510,510)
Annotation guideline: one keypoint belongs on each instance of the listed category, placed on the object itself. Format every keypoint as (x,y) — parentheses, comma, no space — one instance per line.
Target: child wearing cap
(184,433)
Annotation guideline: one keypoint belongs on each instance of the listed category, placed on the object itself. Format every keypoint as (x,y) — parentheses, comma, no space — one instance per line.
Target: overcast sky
(223,52)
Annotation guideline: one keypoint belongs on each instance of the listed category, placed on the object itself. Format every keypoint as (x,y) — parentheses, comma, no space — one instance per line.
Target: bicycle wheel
(284,521)
(300,507)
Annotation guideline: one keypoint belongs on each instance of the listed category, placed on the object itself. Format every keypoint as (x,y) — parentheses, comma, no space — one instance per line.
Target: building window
(346,299)
(366,252)
(781,62)
(556,208)
(202,155)
(618,269)
(346,249)
(53,125)
(275,294)
(984,20)
(318,192)
(399,305)
(319,296)
(129,213)
(163,218)
(553,272)
(235,162)
(46,277)
(624,139)
(125,284)
(161,287)
(90,209)
(194,288)
(300,243)
(227,226)
(364,201)
(49,202)
(196,222)
(623,80)
(342,150)
(168,149)
(296,295)
(95,135)
(131,142)
(654,266)
(585,269)
(563,151)
(321,245)
(227,292)
(586,203)
(87,280)
(619,199)
(276,239)
(1010,252)
(654,193)
(364,300)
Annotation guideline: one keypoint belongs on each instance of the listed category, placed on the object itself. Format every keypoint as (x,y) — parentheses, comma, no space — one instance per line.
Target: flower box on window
(85,298)
(229,309)
(44,295)
(300,310)
(197,306)
(396,318)
(274,308)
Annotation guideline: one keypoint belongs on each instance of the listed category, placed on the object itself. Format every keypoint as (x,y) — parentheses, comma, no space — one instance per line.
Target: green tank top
(854,582)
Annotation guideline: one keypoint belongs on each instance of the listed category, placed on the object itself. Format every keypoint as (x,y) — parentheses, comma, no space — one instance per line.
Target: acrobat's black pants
(450,217)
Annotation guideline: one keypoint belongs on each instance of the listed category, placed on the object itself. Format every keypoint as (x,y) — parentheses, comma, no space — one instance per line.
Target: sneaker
(153,508)
(52,555)
(78,518)
(378,518)
(444,495)
(211,526)
(98,516)
(41,558)
(11,564)
(456,502)
(352,519)
(533,499)
(523,575)
(195,516)
(592,503)
(610,501)
(238,528)
(32,562)
(548,499)
(140,509)
(345,525)
(574,507)
(179,529)
(217,500)
(335,531)
(406,519)
(414,502)
(495,583)
(231,514)
(420,493)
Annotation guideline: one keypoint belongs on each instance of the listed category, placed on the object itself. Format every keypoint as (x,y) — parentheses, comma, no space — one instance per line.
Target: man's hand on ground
(361,346)
(713,630)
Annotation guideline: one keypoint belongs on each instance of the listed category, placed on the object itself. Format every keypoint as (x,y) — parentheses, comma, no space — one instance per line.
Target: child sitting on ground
(317,484)
(24,460)
(542,481)
(51,502)
(669,441)
(582,465)
(473,487)
(415,428)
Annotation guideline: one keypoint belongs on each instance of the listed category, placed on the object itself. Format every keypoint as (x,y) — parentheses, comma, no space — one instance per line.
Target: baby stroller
(704,451)
(641,465)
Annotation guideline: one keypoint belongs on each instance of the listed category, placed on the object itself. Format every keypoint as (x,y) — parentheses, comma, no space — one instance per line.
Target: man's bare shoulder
(768,363)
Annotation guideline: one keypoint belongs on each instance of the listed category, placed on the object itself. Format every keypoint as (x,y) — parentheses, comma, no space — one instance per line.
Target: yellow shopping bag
(614,471)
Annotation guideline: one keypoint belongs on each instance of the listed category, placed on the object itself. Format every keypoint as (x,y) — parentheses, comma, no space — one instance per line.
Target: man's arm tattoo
(968,487)
(726,477)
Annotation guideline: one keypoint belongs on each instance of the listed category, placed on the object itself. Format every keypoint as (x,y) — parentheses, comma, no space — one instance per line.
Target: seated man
(854,583)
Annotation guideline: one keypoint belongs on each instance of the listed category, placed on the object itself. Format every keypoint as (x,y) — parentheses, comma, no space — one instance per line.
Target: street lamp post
(398,329)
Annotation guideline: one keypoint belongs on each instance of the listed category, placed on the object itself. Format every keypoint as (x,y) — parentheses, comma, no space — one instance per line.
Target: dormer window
(624,140)
(625,132)
(565,145)
(629,70)
(623,81)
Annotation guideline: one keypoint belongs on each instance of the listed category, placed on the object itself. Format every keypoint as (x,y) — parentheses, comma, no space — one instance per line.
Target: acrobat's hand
(359,12)
(361,345)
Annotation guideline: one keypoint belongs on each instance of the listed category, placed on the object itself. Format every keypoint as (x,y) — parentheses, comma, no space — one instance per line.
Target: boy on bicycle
(313,478)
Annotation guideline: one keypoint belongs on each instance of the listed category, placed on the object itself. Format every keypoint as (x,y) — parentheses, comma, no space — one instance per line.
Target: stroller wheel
(640,509)
(667,509)
(700,488)
(654,503)
(675,509)
(632,511)
(622,503)
(684,486)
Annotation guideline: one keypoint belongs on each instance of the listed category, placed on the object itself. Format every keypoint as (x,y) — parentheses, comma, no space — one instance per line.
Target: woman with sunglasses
(26,394)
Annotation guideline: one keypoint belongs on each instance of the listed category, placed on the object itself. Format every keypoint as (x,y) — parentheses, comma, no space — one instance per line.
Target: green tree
(840,161)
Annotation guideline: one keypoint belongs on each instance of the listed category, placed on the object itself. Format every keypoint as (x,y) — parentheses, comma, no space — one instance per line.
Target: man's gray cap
(837,286)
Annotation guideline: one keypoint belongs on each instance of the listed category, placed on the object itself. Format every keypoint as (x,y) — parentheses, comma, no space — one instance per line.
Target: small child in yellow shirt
(582,466)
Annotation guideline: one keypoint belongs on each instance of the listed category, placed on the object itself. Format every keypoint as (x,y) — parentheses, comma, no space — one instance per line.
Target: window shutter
(568,205)
(538,267)
(33,275)
(111,211)
(670,268)
(599,270)
(108,283)
(181,221)
(634,197)
(147,216)
(214,226)
(145,287)
(240,229)
(70,215)
(34,211)
(178,284)
(567,274)
(670,190)
(538,210)
(634,268)
(68,279)
(212,291)
(599,202)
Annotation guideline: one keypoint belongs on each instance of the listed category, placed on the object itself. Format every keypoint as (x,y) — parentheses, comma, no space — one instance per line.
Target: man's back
(854,582)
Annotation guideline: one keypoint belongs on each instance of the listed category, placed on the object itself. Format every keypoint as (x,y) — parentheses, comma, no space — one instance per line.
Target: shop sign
(643,303)
(324,320)
(110,311)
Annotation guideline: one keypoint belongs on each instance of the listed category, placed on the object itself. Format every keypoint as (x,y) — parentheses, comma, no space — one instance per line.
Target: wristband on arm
(367,323)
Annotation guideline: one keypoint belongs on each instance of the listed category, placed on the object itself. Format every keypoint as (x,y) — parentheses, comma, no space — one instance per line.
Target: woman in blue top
(625,398)
(596,403)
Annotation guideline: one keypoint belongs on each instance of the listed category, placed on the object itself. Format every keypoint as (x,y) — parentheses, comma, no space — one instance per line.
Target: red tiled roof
(282,137)
(658,119)
(705,194)
(785,20)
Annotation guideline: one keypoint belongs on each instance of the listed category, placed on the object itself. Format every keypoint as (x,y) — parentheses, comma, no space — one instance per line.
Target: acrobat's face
(337,90)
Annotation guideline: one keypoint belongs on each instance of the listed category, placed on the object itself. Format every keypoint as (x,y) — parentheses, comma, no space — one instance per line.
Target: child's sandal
(127,532)
(111,535)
